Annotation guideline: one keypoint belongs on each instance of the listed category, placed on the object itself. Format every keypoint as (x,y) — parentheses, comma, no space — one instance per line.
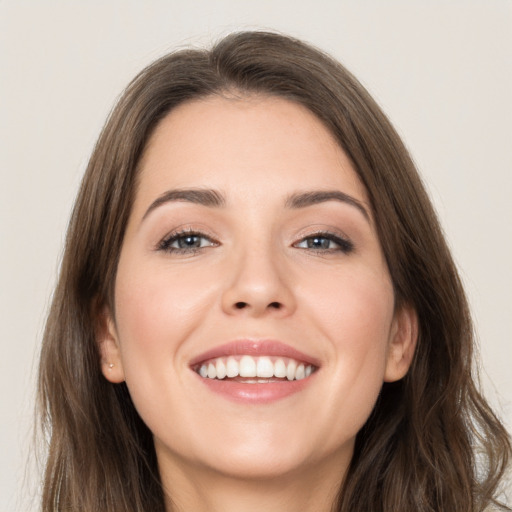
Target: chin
(262,454)
(260,466)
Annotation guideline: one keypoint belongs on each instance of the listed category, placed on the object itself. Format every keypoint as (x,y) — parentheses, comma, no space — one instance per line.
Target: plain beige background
(440,69)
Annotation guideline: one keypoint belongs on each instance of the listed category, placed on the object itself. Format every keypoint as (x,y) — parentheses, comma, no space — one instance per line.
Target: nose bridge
(257,281)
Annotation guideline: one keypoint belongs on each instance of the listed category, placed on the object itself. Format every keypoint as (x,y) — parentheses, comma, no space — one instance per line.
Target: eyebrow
(305,199)
(214,199)
(204,197)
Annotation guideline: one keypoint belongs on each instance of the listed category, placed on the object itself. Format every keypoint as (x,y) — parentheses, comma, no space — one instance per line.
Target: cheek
(156,298)
(354,313)
(156,310)
(354,307)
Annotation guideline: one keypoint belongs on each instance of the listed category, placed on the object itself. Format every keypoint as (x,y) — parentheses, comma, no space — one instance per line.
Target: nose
(258,284)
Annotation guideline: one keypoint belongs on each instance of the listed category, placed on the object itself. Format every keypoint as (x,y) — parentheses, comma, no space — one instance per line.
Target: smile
(265,368)
(255,371)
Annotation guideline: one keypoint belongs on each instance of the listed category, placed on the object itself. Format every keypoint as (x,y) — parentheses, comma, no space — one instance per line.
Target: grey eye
(190,242)
(184,242)
(325,242)
(317,242)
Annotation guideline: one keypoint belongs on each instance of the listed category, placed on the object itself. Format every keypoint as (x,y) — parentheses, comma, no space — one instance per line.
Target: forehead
(252,145)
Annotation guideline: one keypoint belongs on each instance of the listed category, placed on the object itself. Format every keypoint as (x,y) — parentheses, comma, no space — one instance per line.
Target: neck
(202,490)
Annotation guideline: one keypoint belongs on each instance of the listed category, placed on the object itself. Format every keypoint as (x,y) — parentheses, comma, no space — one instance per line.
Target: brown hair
(417,451)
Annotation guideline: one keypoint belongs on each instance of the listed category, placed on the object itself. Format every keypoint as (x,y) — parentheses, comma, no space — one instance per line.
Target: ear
(108,346)
(402,343)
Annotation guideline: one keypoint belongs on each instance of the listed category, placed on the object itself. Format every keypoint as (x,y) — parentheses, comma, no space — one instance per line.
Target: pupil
(319,243)
(189,241)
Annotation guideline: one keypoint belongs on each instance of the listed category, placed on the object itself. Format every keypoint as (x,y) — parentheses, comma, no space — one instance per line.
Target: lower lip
(255,393)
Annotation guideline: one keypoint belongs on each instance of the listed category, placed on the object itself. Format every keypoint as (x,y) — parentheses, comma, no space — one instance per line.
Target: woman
(257,308)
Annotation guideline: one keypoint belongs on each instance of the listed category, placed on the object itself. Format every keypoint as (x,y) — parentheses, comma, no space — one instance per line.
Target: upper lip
(255,348)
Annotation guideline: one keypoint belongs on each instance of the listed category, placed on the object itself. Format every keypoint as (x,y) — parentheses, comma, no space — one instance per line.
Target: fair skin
(257,262)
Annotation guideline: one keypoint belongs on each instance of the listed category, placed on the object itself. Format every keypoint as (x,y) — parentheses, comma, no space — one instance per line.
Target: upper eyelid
(184,234)
(323,233)
(312,231)
(189,230)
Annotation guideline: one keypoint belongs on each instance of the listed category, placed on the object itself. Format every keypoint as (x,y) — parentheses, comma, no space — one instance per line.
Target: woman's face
(251,248)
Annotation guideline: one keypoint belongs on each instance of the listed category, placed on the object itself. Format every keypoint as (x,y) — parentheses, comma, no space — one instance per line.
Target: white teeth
(249,367)
(280,369)
(290,372)
(212,371)
(221,369)
(264,368)
(232,368)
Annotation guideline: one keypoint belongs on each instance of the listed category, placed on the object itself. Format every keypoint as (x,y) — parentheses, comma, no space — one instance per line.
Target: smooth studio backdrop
(441,70)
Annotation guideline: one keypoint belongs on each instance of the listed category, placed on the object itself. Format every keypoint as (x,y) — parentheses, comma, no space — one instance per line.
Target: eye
(186,242)
(325,242)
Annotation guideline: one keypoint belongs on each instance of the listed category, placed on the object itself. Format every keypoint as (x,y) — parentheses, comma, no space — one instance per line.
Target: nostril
(242,305)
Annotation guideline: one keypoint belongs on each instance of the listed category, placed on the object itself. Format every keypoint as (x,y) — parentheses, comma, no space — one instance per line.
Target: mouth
(255,371)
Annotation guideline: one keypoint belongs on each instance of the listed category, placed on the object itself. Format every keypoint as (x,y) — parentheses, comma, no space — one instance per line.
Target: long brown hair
(431,444)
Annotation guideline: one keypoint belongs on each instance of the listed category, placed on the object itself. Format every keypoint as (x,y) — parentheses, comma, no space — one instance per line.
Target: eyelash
(344,245)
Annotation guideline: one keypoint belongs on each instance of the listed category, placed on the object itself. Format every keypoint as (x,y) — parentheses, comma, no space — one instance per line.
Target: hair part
(417,449)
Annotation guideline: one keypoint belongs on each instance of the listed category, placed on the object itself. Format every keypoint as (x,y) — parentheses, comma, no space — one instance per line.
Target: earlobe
(402,344)
(108,346)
